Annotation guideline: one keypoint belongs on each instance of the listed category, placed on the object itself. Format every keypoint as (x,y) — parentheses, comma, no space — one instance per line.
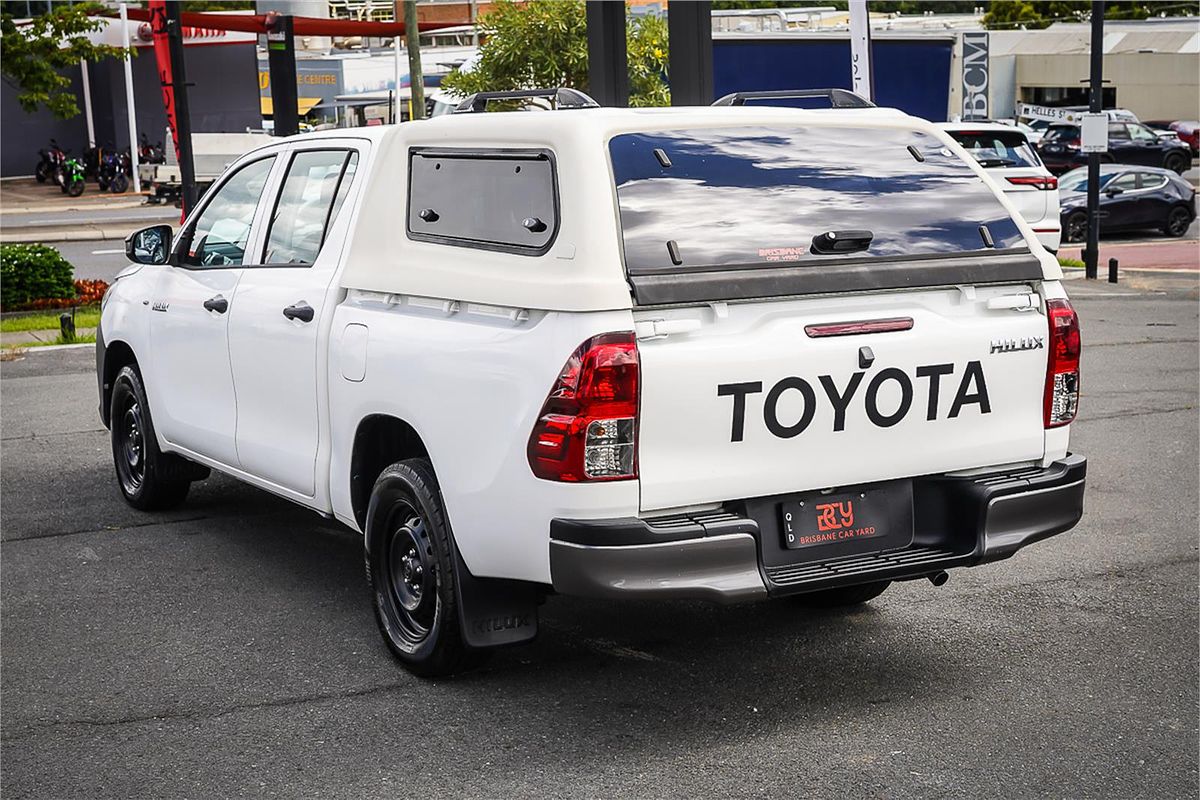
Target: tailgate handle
(651,328)
(1013,302)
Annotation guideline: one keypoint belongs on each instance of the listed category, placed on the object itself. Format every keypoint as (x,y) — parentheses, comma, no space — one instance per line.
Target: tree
(543,43)
(32,55)
(1008,14)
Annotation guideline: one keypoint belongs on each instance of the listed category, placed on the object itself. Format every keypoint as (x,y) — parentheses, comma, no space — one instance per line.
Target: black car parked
(1128,143)
(1130,198)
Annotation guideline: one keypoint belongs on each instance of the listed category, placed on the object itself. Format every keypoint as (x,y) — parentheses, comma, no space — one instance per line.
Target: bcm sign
(975,75)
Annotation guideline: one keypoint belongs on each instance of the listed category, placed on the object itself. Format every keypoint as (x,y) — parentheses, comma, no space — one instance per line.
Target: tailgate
(1030,202)
(740,401)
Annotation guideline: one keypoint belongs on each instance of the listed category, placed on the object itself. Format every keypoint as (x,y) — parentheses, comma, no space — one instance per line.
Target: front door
(280,306)
(1118,202)
(191,385)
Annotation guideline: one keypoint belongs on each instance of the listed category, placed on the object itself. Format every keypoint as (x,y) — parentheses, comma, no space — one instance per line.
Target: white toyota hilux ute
(727,353)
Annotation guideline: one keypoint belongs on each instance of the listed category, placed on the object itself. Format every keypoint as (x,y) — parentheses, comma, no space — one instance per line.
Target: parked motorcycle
(113,174)
(149,153)
(73,182)
(49,162)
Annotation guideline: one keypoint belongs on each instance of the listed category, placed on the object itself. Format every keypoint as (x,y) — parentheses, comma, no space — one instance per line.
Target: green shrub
(30,272)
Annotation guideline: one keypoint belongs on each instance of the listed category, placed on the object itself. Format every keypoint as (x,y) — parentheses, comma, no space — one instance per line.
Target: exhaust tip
(938,578)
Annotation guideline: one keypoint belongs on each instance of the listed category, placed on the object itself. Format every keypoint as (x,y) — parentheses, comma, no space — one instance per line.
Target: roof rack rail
(562,98)
(838,98)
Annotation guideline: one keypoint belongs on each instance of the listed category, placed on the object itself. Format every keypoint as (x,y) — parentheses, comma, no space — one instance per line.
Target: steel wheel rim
(131,448)
(412,580)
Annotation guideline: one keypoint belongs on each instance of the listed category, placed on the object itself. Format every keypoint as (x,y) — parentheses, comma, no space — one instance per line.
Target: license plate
(879,517)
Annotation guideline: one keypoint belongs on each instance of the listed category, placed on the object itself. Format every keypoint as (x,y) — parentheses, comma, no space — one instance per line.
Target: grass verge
(87,317)
(1069,263)
(10,350)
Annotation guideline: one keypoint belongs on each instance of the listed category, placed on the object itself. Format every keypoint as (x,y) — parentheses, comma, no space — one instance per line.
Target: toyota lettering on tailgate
(971,390)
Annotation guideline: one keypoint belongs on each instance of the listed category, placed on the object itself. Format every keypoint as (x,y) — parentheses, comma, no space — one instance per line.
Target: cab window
(221,233)
(492,200)
(313,191)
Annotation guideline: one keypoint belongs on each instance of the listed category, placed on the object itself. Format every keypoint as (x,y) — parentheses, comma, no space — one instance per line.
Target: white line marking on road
(106,252)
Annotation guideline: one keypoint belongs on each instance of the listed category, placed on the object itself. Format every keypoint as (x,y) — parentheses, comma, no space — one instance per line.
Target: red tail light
(1062,367)
(1044,182)
(587,429)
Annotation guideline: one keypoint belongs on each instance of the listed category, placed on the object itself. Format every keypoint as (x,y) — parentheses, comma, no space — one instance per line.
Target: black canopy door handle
(218,304)
(301,311)
(831,242)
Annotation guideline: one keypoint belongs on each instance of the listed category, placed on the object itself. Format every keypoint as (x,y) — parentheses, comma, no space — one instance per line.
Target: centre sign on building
(975,75)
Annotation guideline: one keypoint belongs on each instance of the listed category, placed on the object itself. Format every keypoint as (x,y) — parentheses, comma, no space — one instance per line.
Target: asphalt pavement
(227,649)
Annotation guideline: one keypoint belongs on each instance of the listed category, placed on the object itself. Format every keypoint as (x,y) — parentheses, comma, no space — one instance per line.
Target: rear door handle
(218,304)
(301,311)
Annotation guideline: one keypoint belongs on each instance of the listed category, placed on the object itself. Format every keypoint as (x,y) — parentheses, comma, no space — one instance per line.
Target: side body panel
(471,383)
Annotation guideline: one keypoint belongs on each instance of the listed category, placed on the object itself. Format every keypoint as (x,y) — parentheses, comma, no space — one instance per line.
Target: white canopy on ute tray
(581,268)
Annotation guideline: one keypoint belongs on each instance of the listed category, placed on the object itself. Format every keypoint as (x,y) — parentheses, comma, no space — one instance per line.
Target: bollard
(1112,270)
(66,327)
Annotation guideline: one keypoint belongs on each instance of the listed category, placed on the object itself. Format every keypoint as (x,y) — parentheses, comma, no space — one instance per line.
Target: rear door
(278,311)
(831,307)
(1119,202)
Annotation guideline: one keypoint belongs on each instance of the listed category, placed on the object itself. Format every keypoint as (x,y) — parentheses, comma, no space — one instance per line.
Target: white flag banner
(861,80)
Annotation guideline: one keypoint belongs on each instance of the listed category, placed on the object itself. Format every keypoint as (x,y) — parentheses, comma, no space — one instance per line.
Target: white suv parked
(723,353)
(1005,152)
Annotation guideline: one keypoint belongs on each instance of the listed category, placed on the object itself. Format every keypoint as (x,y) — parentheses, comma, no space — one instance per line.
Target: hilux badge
(1014,345)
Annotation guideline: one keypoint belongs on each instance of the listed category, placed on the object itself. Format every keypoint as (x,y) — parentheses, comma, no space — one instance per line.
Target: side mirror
(149,245)
(1114,192)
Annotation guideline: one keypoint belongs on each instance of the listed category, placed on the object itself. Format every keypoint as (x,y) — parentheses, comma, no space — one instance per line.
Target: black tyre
(119,183)
(150,479)
(1075,227)
(1179,219)
(76,187)
(1176,162)
(40,173)
(843,596)
(410,570)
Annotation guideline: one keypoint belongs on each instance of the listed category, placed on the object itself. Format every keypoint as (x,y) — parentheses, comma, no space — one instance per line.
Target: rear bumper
(719,555)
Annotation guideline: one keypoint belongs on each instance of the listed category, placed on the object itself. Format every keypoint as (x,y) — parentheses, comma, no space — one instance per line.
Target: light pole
(1091,255)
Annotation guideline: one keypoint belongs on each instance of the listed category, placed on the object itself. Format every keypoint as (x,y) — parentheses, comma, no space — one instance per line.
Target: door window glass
(1117,131)
(1141,133)
(1126,183)
(315,185)
(219,237)
(1151,180)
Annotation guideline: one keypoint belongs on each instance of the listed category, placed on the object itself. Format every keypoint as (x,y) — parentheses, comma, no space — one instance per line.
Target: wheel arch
(380,440)
(112,357)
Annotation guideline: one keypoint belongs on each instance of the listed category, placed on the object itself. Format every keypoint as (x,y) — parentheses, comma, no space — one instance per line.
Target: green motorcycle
(72,177)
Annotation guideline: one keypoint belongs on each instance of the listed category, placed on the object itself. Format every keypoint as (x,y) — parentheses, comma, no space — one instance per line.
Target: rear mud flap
(493,611)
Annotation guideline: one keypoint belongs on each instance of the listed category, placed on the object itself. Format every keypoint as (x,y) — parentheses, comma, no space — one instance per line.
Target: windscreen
(998,148)
(750,196)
